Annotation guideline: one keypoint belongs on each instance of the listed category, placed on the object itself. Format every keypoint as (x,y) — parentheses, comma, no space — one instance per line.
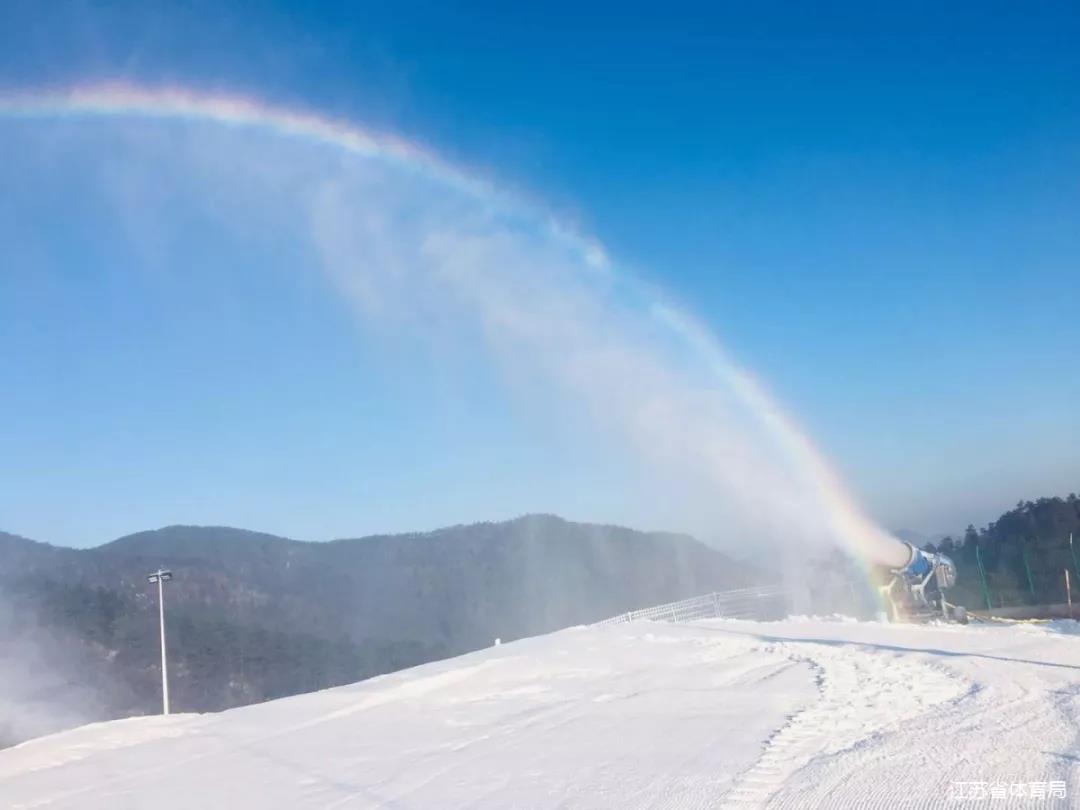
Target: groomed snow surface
(800,713)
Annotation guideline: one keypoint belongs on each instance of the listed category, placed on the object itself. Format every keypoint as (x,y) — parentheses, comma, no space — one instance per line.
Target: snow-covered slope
(793,714)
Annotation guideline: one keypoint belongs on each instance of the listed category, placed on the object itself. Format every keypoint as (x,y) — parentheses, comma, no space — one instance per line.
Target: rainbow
(177,103)
(845,518)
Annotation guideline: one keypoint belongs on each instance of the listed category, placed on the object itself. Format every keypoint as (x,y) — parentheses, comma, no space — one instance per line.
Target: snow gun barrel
(904,559)
(918,564)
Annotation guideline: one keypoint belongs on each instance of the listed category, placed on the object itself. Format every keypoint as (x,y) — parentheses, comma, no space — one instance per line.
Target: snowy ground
(733,714)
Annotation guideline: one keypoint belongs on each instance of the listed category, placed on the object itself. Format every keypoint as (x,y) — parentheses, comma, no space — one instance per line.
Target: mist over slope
(254,616)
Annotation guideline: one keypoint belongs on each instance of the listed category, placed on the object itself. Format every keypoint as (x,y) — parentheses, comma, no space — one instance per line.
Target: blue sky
(873,207)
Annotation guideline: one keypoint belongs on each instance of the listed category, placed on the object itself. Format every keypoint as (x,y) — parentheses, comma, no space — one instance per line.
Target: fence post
(1068,592)
(1027,567)
(982,577)
(1072,551)
(716,604)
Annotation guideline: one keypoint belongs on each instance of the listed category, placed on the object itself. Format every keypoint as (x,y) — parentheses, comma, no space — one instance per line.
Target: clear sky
(874,206)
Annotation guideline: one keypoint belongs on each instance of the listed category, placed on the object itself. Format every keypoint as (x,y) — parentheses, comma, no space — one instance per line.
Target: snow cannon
(917,583)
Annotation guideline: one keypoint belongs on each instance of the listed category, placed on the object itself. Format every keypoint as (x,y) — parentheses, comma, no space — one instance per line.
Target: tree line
(1021,558)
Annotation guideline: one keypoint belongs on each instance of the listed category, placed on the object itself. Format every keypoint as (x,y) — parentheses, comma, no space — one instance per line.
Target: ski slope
(730,714)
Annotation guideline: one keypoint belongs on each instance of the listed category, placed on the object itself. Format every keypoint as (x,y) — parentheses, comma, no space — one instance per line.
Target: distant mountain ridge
(254,616)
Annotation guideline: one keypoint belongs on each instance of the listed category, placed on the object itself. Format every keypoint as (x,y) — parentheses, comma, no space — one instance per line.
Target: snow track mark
(863,692)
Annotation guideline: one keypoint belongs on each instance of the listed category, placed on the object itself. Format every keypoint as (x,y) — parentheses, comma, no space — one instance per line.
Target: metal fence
(765,602)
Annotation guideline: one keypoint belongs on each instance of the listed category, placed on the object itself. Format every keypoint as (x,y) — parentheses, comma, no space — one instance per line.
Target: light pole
(161,577)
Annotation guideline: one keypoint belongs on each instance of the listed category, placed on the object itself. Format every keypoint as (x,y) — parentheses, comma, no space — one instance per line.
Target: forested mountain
(1024,555)
(253,616)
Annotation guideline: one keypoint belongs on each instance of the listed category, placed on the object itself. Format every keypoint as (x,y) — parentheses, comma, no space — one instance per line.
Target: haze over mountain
(254,616)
